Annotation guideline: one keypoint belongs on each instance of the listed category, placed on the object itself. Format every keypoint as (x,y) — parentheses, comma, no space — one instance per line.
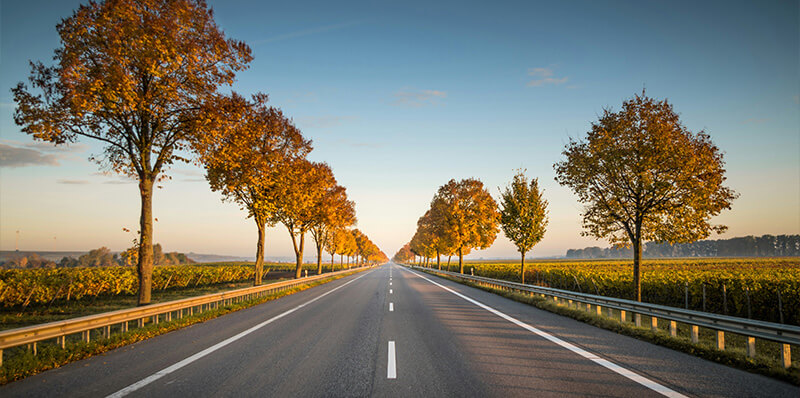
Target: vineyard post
(704,297)
(747,294)
(780,306)
(686,295)
(724,300)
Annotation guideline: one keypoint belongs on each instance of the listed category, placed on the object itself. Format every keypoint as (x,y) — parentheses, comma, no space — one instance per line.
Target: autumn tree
(468,215)
(523,215)
(643,176)
(297,194)
(246,150)
(404,254)
(333,212)
(133,76)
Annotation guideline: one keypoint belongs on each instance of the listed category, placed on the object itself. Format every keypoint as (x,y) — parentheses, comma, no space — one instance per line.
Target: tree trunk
(438,261)
(259,271)
(319,259)
(637,259)
(522,268)
(448,262)
(460,260)
(333,263)
(145,266)
(298,253)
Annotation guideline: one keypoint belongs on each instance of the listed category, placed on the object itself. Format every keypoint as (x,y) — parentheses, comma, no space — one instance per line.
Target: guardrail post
(35,348)
(673,328)
(751,347)
(140,322)
(61,341)
(695,334)
(637,319)
(622,314)
(588,307)
(1,357)
(85,336)
(653,323)
(786,355)
(124,327)
(107,331)
(720,340)
(610,312)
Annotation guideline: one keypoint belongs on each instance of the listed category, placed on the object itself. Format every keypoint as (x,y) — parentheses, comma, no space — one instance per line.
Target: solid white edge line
(163,372)
(663,390)
(391,366)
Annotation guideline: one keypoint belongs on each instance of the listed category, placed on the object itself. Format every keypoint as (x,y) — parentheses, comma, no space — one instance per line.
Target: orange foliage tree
(333,212)
(298,195)
(132,75)
(643,176)
(243,156)
(467,215)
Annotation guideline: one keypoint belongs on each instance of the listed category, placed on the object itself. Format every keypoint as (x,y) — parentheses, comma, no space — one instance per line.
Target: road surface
(394,332)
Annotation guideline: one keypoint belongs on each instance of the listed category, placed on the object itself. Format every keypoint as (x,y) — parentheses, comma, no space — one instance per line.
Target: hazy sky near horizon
(400,97)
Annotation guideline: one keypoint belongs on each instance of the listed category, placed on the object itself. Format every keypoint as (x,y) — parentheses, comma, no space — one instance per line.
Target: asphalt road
(394,332)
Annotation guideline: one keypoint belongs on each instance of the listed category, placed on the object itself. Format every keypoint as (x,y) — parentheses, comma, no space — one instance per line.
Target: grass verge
(21,361)
(763,364)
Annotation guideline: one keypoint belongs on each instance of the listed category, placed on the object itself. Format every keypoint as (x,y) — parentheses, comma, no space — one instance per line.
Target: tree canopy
(643,176)
(523,215)
(467,215)
(250,144)
(132,75)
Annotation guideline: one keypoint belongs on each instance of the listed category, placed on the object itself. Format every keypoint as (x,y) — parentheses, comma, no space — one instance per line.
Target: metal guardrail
(60,329)
(786,335)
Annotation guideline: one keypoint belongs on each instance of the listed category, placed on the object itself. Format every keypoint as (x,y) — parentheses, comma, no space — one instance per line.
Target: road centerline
(391,366)
(178,365)
(663,390)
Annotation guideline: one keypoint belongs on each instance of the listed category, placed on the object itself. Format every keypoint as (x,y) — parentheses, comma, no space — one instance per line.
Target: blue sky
(400,97)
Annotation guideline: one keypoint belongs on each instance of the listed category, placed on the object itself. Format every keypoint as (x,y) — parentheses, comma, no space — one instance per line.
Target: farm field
(771,286)
(33,296)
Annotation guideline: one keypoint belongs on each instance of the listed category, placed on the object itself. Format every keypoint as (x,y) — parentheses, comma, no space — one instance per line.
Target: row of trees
(743,246)
(464,216)
(641,175)
(100,257)
(150,79)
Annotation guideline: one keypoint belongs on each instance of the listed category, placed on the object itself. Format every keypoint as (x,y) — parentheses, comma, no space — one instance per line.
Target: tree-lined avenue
(340,339)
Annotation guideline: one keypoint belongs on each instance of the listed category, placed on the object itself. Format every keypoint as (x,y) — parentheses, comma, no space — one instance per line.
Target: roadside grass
(22,361)
(766,362)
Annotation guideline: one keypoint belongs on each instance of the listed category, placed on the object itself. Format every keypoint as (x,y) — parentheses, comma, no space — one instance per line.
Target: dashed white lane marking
(390,283)
(391,367)
(163,372)
(663,390)
(391,307)
(390,291)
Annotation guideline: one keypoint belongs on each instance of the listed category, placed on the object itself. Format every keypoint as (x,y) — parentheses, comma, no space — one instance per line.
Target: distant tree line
(102,257)
(744,246)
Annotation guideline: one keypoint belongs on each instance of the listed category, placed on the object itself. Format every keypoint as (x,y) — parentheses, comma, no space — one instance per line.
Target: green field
(771,285)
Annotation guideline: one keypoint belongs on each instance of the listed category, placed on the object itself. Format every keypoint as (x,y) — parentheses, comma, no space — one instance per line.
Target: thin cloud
(544,76)
(418,98)
(73,182)
(305,32)
(11,156)
(117,182)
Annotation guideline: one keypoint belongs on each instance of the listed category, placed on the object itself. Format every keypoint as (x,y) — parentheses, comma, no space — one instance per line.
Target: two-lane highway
(392,331)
